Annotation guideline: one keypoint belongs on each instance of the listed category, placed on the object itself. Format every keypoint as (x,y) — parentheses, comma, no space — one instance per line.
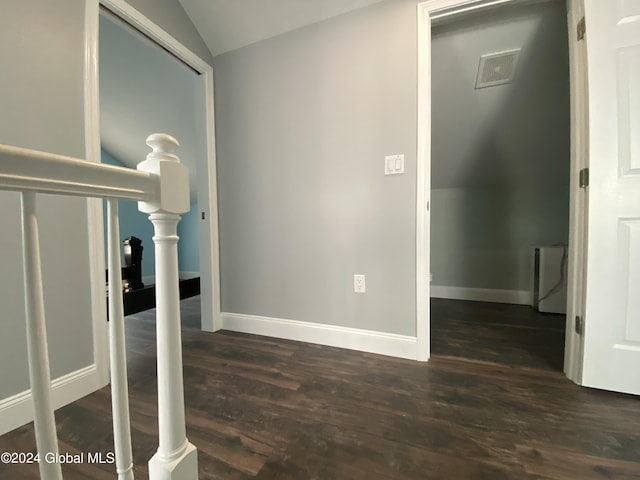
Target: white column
(117,351)
(39,375)
(176,458)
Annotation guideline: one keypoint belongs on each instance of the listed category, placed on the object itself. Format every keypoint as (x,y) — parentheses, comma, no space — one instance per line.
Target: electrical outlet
(359,285)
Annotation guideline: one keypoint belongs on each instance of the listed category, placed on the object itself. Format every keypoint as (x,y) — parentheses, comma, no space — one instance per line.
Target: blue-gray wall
(189,245)
(135,223)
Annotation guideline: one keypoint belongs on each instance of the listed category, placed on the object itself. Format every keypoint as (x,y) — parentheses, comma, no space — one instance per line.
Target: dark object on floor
(144,299)
(133,260)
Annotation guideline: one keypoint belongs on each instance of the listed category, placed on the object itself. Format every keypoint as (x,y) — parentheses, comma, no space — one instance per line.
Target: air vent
(497,68)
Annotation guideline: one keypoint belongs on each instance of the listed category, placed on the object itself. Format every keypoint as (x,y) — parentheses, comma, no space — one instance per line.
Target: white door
(612,311)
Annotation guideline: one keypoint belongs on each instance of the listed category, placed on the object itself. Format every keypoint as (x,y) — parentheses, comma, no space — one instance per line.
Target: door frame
(437,9)
(207,186)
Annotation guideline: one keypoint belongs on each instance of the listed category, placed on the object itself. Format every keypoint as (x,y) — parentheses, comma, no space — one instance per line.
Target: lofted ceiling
(140,93)
(226,25)
(143,90)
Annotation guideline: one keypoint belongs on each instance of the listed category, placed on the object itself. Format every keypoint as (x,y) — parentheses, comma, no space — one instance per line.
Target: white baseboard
(151,279)
(517,297)
(17,410)
(186,275)
(401,346)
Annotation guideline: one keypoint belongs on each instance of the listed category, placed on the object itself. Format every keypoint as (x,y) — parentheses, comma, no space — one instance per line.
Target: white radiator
(549,291)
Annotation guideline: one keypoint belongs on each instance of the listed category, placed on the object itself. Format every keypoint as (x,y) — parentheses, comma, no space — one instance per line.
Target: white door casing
(579,196)
(612,311)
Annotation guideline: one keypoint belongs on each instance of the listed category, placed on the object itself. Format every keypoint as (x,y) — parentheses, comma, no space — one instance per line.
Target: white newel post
(39,375)
(176,458)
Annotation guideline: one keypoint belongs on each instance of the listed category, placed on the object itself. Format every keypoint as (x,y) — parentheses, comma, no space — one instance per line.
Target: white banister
(23,169)
(39,375)
(176,458)
(161,186)
(117,350)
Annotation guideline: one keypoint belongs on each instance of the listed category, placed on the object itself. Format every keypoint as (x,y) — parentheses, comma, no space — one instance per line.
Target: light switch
(390,165)
(393,164)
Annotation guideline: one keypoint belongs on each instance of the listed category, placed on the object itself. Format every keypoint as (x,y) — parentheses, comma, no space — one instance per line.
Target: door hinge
(579,325)
(584,178)
(582,28)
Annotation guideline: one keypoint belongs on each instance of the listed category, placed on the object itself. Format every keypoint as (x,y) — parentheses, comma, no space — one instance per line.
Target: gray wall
(481,236)
(41,93)
(304,121)
(171,17)
(500,166)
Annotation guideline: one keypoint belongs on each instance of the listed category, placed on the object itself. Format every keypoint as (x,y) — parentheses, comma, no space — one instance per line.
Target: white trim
(382,343)
(210,311)
(148,280)
(151,279)
(95,220)
(209,257)
(186,274)
(516,297)
(17,410)
(446,8)
(423,187)
(133,17)
(577,269)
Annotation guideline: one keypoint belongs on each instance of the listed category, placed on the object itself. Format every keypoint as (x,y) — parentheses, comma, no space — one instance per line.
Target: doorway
(435,13)
(201,223)
(500,81)
(144,90)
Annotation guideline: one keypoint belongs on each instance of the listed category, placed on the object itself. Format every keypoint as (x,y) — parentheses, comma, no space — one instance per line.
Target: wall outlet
(359,285)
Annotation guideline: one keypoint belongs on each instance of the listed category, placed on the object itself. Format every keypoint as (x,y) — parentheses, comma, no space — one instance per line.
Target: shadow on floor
(515,335)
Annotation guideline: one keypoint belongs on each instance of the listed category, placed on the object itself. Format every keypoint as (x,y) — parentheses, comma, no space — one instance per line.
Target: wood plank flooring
(516,335)
(260,408)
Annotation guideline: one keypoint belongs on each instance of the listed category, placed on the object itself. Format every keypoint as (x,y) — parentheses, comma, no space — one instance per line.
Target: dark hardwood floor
(274,409)
(515,335)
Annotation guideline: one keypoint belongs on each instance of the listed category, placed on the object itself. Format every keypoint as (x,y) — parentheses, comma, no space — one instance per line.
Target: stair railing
(161,186)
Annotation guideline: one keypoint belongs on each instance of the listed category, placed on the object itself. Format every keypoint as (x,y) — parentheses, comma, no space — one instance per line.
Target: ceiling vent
(497,68)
